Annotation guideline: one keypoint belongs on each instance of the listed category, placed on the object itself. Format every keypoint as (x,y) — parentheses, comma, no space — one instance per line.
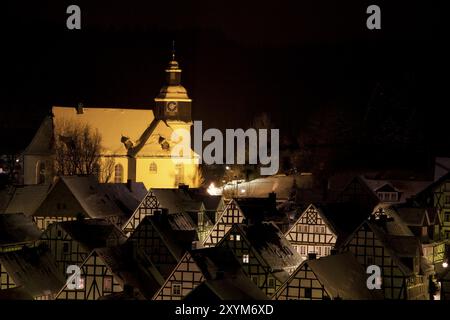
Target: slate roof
(177,231)
(17,228)
(233,288)
(112,123)
(34,269)
(132,267)
(27,199)
(407,188)
(177,200)
(92,233)
(100,200)
(342,276)
(271,245)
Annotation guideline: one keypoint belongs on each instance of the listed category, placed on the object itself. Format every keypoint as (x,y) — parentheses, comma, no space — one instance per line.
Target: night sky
(299,61)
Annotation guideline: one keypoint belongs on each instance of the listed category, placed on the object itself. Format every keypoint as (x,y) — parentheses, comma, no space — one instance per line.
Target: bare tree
(78,151)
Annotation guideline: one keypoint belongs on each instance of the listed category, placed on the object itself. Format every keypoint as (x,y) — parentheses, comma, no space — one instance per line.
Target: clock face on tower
(172,107)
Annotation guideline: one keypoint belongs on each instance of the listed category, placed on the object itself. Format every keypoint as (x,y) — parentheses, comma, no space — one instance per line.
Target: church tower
(173,104)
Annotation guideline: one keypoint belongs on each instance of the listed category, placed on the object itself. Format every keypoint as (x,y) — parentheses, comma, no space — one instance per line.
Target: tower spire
(173,50)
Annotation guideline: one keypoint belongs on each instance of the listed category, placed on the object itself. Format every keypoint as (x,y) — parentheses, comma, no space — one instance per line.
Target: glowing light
(242,190)
(445,264)
(227,167)
(213,190)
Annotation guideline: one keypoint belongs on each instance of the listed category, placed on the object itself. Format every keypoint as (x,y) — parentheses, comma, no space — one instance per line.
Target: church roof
(111,123)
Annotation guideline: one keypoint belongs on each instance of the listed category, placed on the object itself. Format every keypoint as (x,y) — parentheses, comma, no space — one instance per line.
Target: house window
(302,249)
(179,174)
(447,199)
(153,168)
(322,229)
(327,251)
(308,293)
(245,258)
(118,173)
(107,284)
(176,289)
(59,233)
(238,237)
(319,251)
(271,282)
(232,237)
(65,247)
(40,172)
(447,217)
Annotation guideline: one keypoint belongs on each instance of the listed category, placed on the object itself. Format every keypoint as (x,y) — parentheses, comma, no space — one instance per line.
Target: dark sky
(292,59)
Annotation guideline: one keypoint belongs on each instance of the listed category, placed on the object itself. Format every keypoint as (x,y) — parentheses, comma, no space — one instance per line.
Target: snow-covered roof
(96,200)
(34,269)
(177,200)
(111,123)
(271,245)
(17,228)
(342,277)
(27,199)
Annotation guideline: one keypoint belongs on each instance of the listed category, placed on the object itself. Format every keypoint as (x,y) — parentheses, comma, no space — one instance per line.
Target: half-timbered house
(71,242)
(33,269)
(181,200)
(111,270)
(405,272)
(263,252)
(425,224)
(437,195)
(17,231)
(165,238)
(312,233)
(72,197)
(214,265)
(248,209)
(338,276)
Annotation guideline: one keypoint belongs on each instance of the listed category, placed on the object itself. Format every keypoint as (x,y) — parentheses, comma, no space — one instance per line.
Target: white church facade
(137,142)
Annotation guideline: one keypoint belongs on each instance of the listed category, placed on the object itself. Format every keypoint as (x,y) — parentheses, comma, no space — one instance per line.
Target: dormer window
(388,196)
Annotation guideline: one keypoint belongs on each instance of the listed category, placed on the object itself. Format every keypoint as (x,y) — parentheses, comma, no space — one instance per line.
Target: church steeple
(173,102)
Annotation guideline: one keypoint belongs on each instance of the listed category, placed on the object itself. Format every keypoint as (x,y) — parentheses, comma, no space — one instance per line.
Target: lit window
(153,168)
(107,284)
(302,249)
(176,289)
(81,283)
(245,258)
(238,237)
(231,237)
(118,173)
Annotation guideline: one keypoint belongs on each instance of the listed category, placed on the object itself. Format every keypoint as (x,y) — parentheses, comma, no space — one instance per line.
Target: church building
(134,144)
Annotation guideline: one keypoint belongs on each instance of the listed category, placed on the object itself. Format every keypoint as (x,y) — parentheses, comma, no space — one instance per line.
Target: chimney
(273,196)
(312,256)
(183,186)
(130,185)
(80,109)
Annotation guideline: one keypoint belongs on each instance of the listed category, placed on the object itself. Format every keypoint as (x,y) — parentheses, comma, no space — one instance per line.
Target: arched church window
(118,173)
(40,172)
(179,174)
(153,168)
